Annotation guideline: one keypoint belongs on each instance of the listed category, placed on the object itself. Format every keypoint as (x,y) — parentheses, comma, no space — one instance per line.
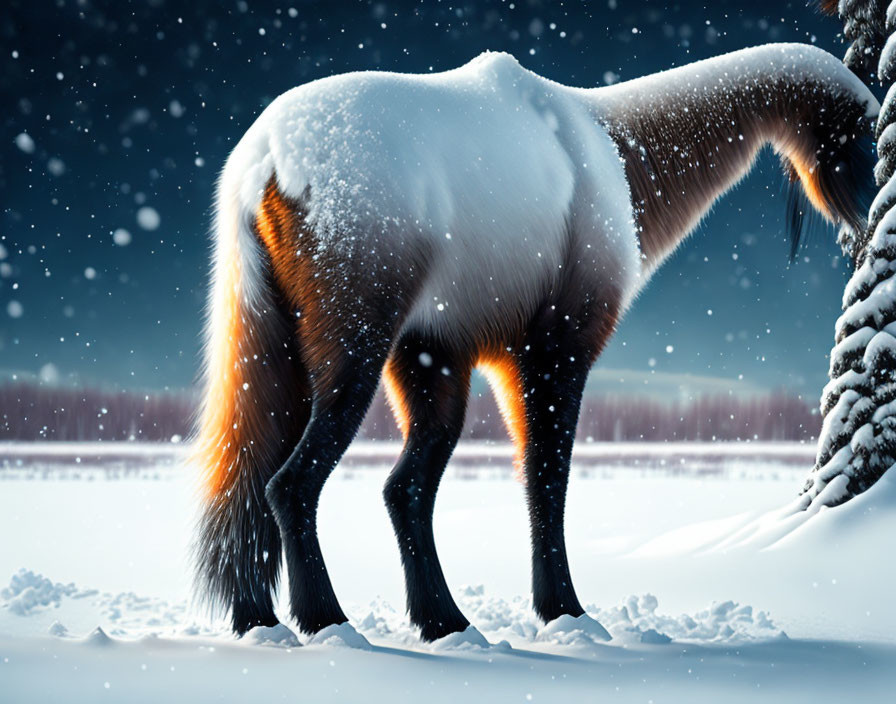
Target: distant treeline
(34,412)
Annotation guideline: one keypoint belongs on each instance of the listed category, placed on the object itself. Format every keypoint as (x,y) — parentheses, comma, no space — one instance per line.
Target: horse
(416,227)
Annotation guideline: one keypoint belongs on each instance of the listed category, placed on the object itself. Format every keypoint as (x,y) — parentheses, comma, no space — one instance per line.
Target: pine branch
(858,437)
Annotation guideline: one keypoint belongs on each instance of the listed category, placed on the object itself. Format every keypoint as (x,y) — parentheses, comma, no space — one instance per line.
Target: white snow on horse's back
(799,61)
(485,167)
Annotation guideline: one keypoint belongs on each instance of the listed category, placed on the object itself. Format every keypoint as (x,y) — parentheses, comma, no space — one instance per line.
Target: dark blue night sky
(117,117)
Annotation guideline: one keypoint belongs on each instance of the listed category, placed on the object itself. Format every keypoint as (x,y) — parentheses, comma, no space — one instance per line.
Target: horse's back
(473,174)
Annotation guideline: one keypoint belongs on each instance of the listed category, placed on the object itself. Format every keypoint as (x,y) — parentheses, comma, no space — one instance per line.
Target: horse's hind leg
(428,387)
(344,310)
(553,367)
(341,392)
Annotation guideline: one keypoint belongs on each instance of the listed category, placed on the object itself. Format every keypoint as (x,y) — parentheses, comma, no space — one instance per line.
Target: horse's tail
(254,410)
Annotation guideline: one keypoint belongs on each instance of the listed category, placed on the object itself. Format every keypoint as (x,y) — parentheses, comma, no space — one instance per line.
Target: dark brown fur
(683,150)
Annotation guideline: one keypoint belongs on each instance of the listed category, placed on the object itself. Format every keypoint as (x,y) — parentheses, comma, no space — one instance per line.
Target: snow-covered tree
(858,437)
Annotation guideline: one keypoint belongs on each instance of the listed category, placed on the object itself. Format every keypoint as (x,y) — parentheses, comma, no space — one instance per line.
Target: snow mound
(340,635)
(573,630)
(98,638)
(468,639)
(272,636)
(57,629)
(653,637)
(499,623)
(637,621)
(801,524)
(28,592)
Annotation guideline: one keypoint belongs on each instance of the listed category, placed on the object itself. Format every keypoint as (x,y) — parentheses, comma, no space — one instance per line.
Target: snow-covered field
(682,552)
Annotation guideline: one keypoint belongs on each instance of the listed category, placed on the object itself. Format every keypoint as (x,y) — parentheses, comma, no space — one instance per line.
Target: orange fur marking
(809,180)
(218,446)
(303,282)
(397,402)
(275,224)
(506,383)
(235,427)
(504,379)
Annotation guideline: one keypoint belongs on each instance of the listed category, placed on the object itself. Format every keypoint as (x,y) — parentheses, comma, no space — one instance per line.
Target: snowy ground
(682,552)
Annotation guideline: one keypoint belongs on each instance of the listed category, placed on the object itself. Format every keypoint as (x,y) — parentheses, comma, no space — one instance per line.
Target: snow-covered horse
(416,227)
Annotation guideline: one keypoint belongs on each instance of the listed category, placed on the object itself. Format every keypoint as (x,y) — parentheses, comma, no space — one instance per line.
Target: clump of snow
(276,636)
(28,592)
(98,638)
(653,637)
(573,630)
(637,620)
(57,629)
(468,639)
(340,635)
(887,63)
(505,621)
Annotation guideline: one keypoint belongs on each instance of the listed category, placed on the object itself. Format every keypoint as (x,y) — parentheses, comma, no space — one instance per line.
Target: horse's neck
(682,149)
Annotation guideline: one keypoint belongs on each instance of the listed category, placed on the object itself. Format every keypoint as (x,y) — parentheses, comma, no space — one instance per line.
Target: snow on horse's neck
(689,134)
